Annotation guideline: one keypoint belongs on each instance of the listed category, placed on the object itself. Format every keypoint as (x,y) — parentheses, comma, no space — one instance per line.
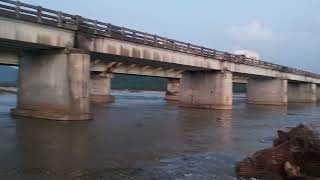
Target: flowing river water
(141,136)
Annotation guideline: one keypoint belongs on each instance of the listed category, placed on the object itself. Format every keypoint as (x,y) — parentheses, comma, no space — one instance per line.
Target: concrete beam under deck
(134,69)
(9,57)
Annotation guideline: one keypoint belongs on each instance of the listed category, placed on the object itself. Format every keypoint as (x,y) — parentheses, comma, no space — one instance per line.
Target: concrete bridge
(66,60)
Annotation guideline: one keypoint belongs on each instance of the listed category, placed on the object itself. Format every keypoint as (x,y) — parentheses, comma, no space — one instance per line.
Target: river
(141,136)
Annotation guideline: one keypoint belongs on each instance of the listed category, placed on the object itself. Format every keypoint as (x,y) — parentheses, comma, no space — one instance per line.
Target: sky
(286,32)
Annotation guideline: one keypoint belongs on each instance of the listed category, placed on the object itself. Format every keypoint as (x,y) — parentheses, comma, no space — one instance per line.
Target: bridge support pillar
(100,88)
(206,89)
(54,85)
(302,92)
(173,89)
(318,92)
(267,91)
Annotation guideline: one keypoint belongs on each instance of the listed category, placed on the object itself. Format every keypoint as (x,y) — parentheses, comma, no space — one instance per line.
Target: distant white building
(248,54)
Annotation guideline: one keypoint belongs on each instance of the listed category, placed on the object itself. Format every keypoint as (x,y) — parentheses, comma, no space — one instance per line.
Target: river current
(141,136)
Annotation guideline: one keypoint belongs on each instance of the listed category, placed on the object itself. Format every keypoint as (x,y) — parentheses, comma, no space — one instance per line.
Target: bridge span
(65,60)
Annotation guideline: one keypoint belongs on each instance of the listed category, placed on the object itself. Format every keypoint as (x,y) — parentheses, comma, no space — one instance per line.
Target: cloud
(253,31)
(248,53)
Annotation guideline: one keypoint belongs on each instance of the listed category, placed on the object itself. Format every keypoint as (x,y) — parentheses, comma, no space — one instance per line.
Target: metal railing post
(155,40)
(122,33)
(109,29)
(134,35)
(18,8)
(39,14)
(95,27)
(214,53)
(60,19)
(145,38)
(78,22)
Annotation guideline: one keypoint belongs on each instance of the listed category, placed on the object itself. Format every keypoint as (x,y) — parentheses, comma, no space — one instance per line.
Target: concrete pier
(100,87)
(206,89)
(267,91)
(302,92)
(318,93)
(54,85)
(173,89)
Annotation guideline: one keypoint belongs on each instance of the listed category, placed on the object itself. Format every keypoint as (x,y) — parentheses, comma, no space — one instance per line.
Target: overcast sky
(281,31)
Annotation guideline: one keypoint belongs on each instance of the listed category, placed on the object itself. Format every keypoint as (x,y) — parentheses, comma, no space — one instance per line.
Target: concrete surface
(35,34)
(54,85)
(133,52)
(206,89)
(173,89)
(302,92)
(267,91)
(100,87)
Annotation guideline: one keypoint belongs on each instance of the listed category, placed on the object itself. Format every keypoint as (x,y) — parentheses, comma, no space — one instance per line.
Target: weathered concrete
(42,36)
(54,85)
(134,52)
(267,91)
(318,92)
(241,79)
(206,89)
(134,69)
(100,88)
(173,89)
(19,34)
(302,92)
(9,57)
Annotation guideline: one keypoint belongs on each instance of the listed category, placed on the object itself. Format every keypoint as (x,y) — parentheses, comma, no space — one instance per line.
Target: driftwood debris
(295,155)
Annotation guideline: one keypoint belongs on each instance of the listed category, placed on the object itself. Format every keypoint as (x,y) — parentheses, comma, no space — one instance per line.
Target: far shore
(12,90)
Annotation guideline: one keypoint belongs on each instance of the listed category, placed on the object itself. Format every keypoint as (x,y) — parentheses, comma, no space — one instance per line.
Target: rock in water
(294,153)
(291,170)
(265,162)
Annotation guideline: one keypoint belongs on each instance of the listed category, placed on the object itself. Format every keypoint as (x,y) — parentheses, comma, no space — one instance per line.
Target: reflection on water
(50,147)
(141,136)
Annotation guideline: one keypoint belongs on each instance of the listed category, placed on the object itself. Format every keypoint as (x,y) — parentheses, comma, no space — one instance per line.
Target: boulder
(295,154)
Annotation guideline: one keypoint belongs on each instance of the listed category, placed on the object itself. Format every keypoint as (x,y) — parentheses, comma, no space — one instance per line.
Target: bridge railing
(38,14)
